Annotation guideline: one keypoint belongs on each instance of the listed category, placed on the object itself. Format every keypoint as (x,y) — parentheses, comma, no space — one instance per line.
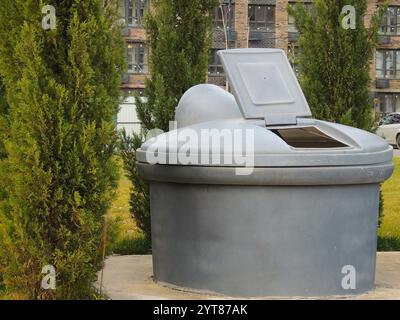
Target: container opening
(307,137)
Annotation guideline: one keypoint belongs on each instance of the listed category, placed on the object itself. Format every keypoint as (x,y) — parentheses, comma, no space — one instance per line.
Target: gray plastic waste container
(303,222)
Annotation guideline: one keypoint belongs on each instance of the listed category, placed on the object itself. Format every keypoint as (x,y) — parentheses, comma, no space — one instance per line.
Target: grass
(133,244)
(124,237)
(119,210)
(389,232)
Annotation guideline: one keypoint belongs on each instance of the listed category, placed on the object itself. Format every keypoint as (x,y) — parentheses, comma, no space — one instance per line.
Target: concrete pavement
(130,278)
(396,152)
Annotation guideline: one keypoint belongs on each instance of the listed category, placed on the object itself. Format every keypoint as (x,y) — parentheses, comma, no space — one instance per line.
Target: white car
(389,129)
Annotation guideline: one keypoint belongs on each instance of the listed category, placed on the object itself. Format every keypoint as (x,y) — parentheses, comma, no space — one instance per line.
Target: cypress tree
(179,38)
(59,173)
(334,61)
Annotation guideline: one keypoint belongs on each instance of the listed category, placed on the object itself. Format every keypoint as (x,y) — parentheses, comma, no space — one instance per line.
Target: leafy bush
(140,195)
(388,243)
(334,62)
(179,39)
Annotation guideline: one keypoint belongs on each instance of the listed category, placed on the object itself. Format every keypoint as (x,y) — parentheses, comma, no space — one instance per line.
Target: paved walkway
(130,278)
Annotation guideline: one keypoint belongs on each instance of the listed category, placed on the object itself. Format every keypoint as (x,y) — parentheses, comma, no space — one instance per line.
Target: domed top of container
(250,143)
(274,130)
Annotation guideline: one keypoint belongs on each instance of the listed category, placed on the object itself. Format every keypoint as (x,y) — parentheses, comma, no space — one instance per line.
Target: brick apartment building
(266,24)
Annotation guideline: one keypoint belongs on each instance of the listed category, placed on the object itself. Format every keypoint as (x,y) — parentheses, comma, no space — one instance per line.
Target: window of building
(262,17)
(388,64)
(137,57)
(292,24)
(389,102)
(215,65)
(134,12)
(224,15)
(391,22)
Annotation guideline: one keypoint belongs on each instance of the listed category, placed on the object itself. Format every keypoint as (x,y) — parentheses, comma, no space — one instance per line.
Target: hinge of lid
(280,119)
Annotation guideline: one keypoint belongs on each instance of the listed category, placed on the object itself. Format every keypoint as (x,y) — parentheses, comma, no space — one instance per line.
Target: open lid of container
(264,85)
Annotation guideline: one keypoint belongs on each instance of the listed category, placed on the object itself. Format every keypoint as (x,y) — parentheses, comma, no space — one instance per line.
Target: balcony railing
(384,40)
(382,83)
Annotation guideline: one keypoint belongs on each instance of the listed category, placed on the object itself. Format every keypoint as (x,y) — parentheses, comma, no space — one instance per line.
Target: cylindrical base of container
(259,241)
